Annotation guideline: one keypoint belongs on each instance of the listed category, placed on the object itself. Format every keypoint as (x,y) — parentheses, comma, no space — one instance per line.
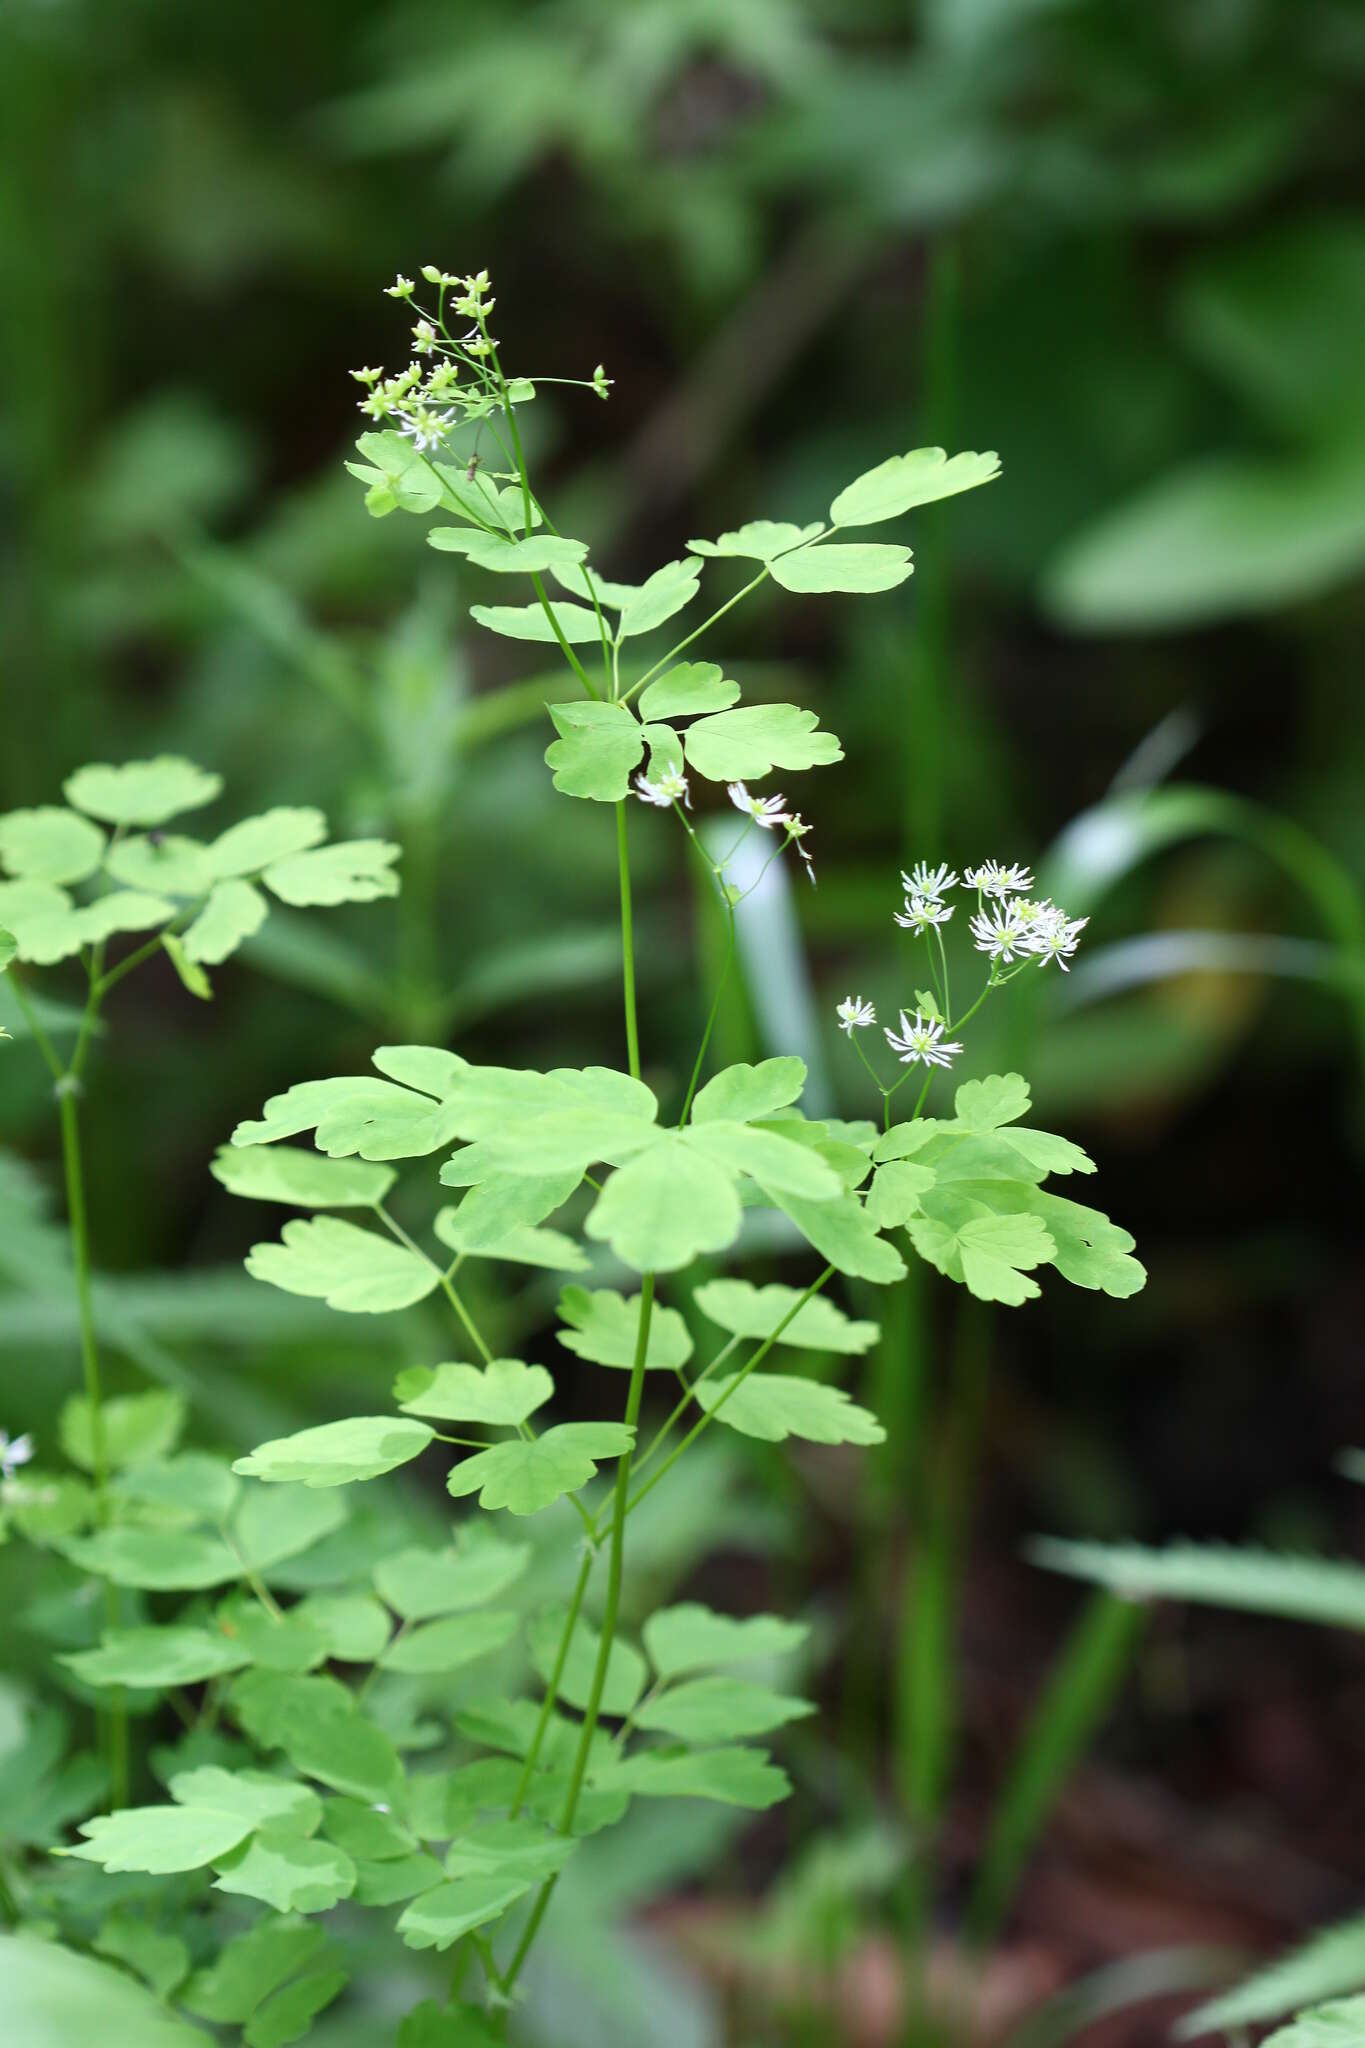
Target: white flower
(669,789)
(423,338)
(1000,933)
(993,878)
(854,1014)
(923,880)
(427,428)
(14,1452)
(922,1041)
(766,811)
(1055,937)
(797,830)
(921,912)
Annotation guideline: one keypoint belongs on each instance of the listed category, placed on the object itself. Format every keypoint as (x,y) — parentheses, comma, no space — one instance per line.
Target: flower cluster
(1008,925)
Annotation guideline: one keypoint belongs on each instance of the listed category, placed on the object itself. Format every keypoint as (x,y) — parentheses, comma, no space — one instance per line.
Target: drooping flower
(797,832)
(921,912)
(766,811)
(14,1452)
(923,880)
(994,878)
(855,1015)
(922,1042)
(667,789)
(999,932)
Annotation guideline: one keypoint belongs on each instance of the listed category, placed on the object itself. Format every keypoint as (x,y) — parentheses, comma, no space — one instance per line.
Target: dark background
(1120,243)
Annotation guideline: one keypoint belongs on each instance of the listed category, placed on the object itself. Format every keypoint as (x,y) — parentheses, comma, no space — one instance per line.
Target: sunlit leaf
(604,1327)
(719,1710)
(256,843)
(526,1477)
(336,1453)
(350,871)
(772,1406)
(753,740)
(749,1311)
(903,481)
(301,1179)
(664,1207)
(680,692)
(759,541)
(350,1269)
(141,792)
(858,566)
(419,1584)
(50,844)
(598,747)
(233,911)
(576,623)
(450,1644)
(691,1637)
(505,1391)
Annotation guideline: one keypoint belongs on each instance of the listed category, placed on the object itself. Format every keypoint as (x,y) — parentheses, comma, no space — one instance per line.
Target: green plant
(574,1171)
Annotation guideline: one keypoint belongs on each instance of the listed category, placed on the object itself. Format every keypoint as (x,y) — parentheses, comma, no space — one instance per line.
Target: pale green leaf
(1326,1965)
(744,1093)
(440,1917)
(161,1959)
(50,844)
(289,2015)
(526,1477)
(990,1253)
(525,557)
(691,1637)
(752,741)
(505,1391)
(419,1584)
(350,1269)
(446,2026)
(522,1246)
(350,871)
(772,1407)
(155,1657)
(904,481)
(192,975)
(857,567)
(316,1723)
(57,1998)
(249,1968)
(667,591)
(604,1327)
(233,911)
(163,863)
(626,1670)
(256,843)
(986,1105)
(719,1710)
(1340,2025)
(894,1196)
(749,1311)
(288,1873)
(157,1560)
(844,1235)
(1295,1587)
(507,1202)
(336,1453)
(682,691)
(265,1801)
(160,1839)
(450,1644)
(300,1179)
(353,1626)
(364,1832)
(598,747)
(765,1156)
(735,1777)
(665,1207)
(141,792)
(136,1428)
(758,541)
(576,623)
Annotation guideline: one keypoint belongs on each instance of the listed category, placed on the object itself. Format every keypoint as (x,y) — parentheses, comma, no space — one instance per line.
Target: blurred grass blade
(1162,1973)
(1075,1700)
(1332,1963)
(1161,956)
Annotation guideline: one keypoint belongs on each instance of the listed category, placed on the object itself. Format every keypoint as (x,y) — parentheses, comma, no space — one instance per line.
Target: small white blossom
(921,912)
(923,880)
(666,790)
(423,338)
(367,376)
(401,288)
(922,1042)
(993,878)
(766,811)
(427,429)
(797,831)
(1056,938)
(14,1452)
(1000,933)
(855,1015)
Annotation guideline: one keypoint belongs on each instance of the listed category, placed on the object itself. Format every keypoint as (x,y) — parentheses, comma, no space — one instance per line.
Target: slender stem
(666,1428)
(547,1705)
(713,1013)
(39,1036)
(615,1567)
(943,962)
(627,943)
(758,1356)
(476,1337)
(704,627)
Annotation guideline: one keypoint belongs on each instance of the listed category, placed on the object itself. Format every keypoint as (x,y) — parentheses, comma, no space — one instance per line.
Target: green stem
(39,1036)
(666,1428)
(764,1348)
(713,1013)
(615,1570)
(627,942)
(547,1705)
(704,627)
